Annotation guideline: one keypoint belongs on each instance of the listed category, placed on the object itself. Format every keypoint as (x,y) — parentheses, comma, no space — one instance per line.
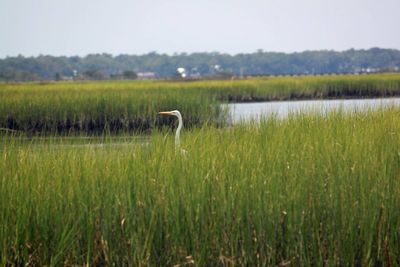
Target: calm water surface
(281,109)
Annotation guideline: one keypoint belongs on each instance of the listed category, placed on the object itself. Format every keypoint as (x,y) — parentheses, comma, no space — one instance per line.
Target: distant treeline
(197,65)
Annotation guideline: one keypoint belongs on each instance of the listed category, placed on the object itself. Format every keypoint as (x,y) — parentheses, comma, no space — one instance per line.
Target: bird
(177,114)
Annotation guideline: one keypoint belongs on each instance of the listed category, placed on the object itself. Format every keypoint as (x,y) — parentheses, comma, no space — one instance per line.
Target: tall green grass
(311,87)
(98,107)
(65,108)
(307,190)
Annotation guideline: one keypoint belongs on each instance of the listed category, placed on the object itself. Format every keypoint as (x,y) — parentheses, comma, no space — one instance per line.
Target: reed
(91,108)
(306,190)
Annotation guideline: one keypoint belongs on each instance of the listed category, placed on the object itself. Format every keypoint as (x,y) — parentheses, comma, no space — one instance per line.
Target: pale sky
(80,27)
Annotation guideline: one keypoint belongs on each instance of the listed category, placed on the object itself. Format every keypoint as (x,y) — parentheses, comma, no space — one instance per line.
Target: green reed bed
(122,106)
(309,190)
(309,87)
(100,107)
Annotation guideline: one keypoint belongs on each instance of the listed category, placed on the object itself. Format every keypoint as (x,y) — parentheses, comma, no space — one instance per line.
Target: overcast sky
(80,27)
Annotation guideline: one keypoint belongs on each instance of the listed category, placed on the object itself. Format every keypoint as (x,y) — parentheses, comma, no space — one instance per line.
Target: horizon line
(191,53)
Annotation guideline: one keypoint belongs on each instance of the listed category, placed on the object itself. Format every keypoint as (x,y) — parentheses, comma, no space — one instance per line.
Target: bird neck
(178,132)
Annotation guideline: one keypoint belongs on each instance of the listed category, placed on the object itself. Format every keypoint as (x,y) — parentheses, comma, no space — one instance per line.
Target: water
(281,109)
(80,142)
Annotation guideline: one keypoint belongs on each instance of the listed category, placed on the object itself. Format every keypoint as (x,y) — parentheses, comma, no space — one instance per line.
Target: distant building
(146,75)
(67,78)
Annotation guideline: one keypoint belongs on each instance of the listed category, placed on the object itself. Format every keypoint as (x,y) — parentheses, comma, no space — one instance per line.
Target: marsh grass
(98,108)
(306,190)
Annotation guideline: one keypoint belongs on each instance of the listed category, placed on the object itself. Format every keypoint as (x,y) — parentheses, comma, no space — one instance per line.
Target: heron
(177,114)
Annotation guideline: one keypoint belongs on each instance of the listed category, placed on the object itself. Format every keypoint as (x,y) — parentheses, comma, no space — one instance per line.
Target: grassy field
(308,190)
(120,107)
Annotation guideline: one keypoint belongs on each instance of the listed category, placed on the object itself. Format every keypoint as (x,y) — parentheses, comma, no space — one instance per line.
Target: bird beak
(165,113)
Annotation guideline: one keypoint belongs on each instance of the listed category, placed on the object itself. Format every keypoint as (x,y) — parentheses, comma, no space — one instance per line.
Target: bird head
(175,113)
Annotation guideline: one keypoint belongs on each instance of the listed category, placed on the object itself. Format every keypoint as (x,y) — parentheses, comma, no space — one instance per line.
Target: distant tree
(129,75)
(94,75)
(57,77)
(106,66)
